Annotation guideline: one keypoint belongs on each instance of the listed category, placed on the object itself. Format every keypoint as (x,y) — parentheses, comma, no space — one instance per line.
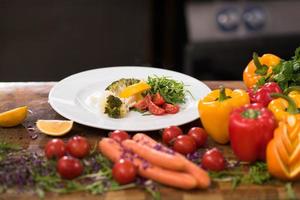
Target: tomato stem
(292,107)
(251,114)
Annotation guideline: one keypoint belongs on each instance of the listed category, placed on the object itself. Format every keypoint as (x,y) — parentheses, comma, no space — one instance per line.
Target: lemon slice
(13,117)
(54,127)
(134,89)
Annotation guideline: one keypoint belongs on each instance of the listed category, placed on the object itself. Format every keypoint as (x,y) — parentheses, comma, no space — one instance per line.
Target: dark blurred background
(43,40)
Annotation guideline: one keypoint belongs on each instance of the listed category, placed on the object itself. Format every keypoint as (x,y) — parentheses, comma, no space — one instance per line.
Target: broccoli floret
(114,107)
(120,84)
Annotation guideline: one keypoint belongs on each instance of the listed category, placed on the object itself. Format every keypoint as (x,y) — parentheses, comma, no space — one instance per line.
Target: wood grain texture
(35,95)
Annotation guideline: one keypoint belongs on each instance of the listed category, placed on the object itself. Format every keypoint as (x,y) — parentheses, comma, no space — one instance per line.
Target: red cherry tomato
(119,135)
(55,148)
(141,105)
(154,109)
(170,133)
(213,160)
(158,99)
(170,108)
(199,134)
(124,171)
(78,147)
(69,167)
(184,144)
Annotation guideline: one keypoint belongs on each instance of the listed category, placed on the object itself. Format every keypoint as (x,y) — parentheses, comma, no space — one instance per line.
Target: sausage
(154,156)
(113,151)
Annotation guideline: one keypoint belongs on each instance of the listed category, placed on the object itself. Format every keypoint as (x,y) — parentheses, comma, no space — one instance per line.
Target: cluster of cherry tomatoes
(68,155)
(196,138)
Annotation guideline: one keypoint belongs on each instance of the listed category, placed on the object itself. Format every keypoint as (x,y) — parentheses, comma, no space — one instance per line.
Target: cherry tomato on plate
(78,146)
(213,160)
(199,134)
(158,99)
(55,148)
(170,133)
(154,109)
(119,135)
(69,167)
(124,171)
(184,144)
(170,108)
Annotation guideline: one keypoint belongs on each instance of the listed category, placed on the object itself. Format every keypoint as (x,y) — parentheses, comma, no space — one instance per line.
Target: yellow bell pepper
(259,67)
(214,110)
(284,106)
(283,151)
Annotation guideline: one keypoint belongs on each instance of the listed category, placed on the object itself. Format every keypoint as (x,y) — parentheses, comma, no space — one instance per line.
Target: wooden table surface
(35,96)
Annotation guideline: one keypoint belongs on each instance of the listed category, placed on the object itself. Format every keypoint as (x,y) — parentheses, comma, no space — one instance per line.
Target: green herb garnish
(256,174)
(287,72)
(171,90)
(39,174)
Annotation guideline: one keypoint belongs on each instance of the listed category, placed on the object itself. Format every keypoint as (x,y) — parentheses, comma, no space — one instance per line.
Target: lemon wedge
(13,117)
(54,127)
(134,89)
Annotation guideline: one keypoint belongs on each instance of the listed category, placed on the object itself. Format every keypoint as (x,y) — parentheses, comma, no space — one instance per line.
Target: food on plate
(184,144)
(69,167)
(119,135)
(170,133)
(54,127)
(213,160)
(283,151)
(78,146)
(191,176)
(259,67)
(199,135)
(134,89)
(171,90)
(55,148)
(251,127)
(284,106)
(13,117)
(214,110)
(158,95)
(124,171)
(261,94)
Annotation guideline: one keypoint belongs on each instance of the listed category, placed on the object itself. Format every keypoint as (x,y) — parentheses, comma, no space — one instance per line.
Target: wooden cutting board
(35,96)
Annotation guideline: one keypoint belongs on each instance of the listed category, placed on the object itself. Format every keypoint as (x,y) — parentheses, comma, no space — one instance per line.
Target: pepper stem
(290,89)
(222,95)
(251,113)
(292,107)
(260,69)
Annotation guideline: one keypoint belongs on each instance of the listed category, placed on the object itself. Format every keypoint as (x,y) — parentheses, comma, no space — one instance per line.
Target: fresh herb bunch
(286,73)
(256,174)
(21,168)
(171,90)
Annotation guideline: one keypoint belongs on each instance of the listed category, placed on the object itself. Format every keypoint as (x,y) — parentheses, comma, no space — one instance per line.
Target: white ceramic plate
(71,98)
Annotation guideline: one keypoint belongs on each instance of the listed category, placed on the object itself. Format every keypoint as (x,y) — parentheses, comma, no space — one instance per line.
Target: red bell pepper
(262,94)
(250,129)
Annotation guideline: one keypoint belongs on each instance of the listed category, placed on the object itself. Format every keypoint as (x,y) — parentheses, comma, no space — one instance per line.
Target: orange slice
(134,89)
(13,117)
(54,127)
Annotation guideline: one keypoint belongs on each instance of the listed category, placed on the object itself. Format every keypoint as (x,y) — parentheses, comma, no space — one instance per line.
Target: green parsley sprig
(286,73)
